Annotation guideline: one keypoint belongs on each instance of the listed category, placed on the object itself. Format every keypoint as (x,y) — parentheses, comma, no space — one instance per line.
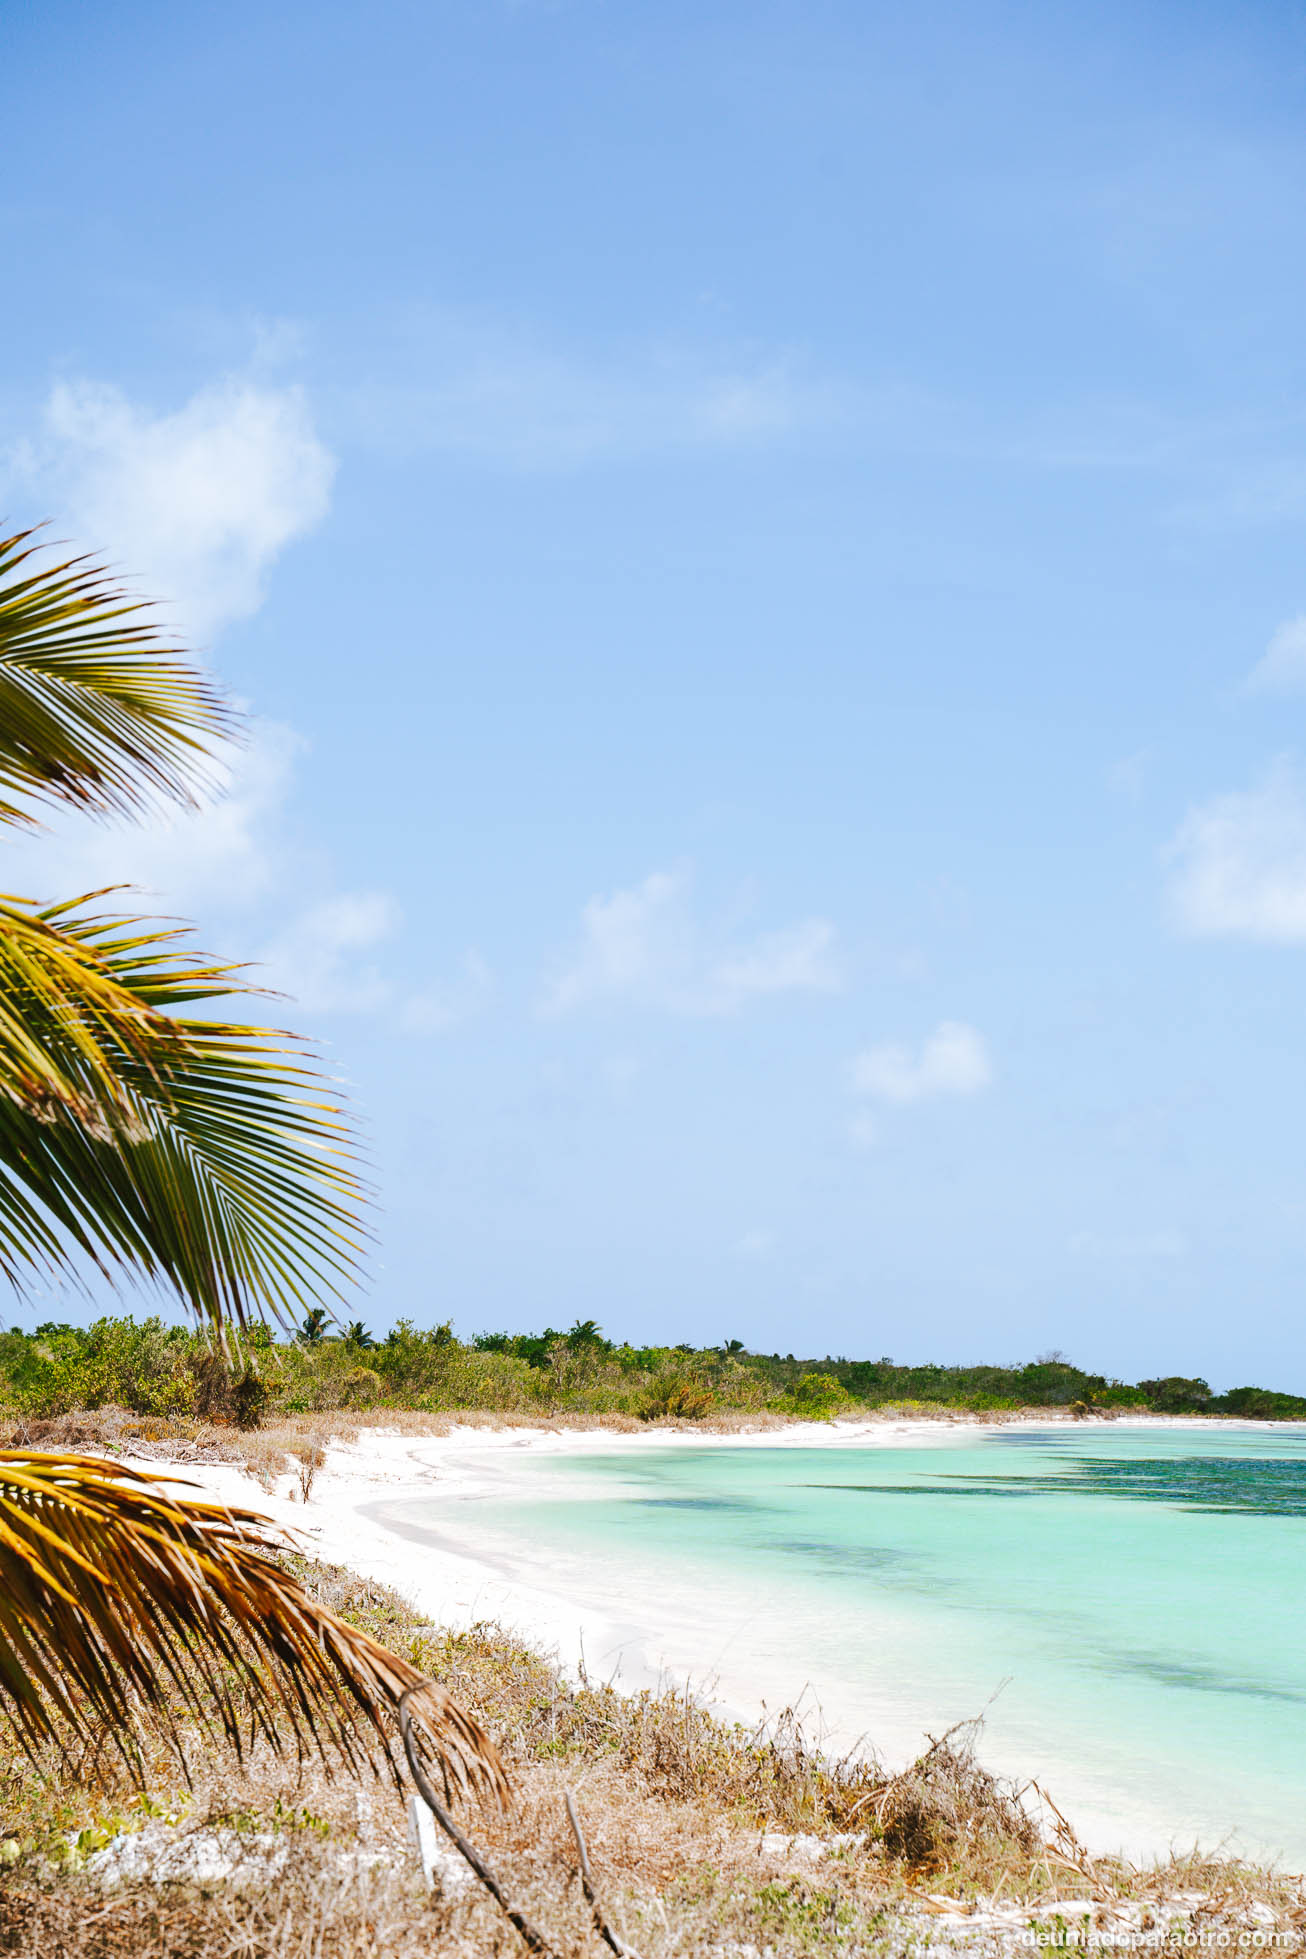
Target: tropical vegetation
(149,1367)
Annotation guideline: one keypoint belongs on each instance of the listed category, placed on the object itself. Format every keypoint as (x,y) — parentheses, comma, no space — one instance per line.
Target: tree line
(151,1368)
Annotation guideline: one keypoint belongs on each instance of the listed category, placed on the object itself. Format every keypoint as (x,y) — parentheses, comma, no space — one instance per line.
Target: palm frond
(202,1154)
(96,709)
(116,1594)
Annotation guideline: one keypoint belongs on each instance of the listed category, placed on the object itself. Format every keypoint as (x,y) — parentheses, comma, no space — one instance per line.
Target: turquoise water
(1135,1598)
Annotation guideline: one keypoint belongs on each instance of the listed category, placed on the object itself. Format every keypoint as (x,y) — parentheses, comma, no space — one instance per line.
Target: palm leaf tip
(199,1154)
(117,1593)
(97,710)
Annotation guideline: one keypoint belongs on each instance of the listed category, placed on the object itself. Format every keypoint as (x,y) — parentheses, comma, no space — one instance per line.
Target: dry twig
(535,1940)
(601,1925)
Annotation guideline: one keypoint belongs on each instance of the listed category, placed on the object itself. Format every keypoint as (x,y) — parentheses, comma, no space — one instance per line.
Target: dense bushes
(1176,1395)
(148,1367)
(1260,1404)
(151,1368)
(815,1397)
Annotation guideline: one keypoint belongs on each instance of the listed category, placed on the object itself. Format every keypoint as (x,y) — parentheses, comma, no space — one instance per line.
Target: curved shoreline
(352,1519)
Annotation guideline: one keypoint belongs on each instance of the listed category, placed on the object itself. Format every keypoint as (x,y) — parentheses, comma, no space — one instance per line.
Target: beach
(348,1519)
(445,1520)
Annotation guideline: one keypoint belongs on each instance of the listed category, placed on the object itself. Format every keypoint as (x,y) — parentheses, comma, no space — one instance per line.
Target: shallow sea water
(1126,1605)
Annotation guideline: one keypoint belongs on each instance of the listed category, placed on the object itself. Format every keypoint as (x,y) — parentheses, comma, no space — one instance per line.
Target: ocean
(1124,1605)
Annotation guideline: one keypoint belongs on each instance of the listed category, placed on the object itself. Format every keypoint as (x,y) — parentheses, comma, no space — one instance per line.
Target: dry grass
(704,1838)
(269,1451)
(288,1442)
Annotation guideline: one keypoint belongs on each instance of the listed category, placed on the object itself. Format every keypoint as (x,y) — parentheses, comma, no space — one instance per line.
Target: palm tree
(140,1140)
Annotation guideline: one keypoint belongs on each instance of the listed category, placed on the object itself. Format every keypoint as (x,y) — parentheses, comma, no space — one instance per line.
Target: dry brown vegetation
(296,1444)
(269,1450)
(704,1838)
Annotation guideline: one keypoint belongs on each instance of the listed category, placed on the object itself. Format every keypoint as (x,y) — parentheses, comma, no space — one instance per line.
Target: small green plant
(290,1817)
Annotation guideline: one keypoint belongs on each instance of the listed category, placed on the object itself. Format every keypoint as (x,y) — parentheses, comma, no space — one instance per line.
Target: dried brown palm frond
(118,1594)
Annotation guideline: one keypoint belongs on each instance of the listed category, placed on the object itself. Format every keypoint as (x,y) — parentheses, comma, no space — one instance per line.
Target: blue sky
(764,544)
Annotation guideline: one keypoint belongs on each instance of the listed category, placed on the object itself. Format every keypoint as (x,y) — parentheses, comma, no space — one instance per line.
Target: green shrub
(1260,1405)
(1176,1394)
(687,1397)
(249,1399)
(814,1397)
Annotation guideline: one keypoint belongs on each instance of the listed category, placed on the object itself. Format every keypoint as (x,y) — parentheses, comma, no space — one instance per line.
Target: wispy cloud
(232,865)
(953,1060)
(1281,669)
(1125,779)
(475,389)
(321,960)
(644,945)
(1239,863)
(325,961)
(328,959)
(195,504)
(436,1009)
(1245,496)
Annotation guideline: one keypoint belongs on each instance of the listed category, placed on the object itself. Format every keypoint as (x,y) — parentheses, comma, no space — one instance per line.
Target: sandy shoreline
(345,1519)
(355,1516)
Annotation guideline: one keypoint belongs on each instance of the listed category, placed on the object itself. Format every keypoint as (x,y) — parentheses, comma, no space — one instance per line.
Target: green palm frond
(96,709)
(200,1154)
(116,1594)
(150,1140)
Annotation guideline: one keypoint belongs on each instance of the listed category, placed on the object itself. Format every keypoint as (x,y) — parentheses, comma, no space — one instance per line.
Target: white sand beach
(345,1522)
(360,1513)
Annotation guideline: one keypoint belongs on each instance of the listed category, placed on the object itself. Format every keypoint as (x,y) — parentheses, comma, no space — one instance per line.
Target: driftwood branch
(601,1925)
(535,1940)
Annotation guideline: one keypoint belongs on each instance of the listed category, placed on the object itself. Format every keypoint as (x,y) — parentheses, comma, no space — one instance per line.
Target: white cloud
(323,961)
(1240,863)
(800,957)
(644,945)
(315,960)
(196,505)
(1281,669)
(756,1244)
(953,1060)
